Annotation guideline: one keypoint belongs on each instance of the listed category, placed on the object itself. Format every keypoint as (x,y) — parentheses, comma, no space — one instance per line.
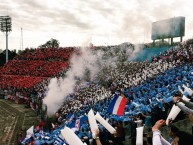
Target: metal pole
(7,47)
(22,38)
(5,26)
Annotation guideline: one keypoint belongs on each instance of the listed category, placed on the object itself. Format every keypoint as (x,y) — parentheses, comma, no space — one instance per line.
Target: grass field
(13,118)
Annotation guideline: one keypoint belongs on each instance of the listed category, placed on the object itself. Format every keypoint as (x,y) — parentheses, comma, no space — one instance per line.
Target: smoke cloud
(85,59)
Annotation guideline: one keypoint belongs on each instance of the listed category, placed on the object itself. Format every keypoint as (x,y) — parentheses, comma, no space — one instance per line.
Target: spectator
(182,138)
(120,134)
(185,109)
(191,120)
(172,130)
(147,125)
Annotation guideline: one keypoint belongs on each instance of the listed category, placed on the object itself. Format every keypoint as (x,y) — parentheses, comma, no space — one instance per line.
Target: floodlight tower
(5,26)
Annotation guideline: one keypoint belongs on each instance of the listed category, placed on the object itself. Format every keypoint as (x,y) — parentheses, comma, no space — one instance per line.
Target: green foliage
(11,55)
(52,43)
(190,41)
(157,44)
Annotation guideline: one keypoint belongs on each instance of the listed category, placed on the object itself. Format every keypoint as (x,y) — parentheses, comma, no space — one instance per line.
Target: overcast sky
(103,22)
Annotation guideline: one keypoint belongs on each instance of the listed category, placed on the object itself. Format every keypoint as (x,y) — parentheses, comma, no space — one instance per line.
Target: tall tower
(6,26)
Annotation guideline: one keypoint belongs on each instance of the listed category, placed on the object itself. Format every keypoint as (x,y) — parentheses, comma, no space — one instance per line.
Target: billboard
(169,28)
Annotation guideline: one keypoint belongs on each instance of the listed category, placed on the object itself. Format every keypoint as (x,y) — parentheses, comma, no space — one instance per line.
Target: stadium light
(6,26)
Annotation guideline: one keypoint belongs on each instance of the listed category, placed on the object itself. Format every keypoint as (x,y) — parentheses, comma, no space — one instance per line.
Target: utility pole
(21,40)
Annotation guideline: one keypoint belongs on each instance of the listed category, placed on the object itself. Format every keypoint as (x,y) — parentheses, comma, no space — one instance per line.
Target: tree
(189,41)
(11,55)
(52,43)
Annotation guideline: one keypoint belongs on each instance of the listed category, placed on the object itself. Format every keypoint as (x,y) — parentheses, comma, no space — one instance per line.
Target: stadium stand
(31,67)
(46,54)
(34,67)
(148,87)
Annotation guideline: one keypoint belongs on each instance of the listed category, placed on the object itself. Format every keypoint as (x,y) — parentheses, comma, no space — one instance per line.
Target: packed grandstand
(148,79)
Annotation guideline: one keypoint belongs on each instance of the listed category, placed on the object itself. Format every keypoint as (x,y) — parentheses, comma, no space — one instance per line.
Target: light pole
(5,26)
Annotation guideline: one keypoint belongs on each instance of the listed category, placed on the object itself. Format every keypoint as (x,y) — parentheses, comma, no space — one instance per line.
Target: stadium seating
(19,82)
(32,66)
(152,94)
(148,86)
(46,54)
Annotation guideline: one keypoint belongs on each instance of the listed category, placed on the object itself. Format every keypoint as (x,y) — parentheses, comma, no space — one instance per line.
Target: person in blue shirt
(147,125)
(84,132)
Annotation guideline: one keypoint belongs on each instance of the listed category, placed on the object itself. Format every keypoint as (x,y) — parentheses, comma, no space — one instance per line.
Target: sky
(103,22)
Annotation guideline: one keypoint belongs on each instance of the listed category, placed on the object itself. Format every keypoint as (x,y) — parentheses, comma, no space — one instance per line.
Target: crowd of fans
(148,86)
(30,71)
(15,81)
(46,54)
(34,67)
(180,52)
(177,137)
(25,78)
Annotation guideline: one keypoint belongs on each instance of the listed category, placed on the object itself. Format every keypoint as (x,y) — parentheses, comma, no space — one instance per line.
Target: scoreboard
(169,28)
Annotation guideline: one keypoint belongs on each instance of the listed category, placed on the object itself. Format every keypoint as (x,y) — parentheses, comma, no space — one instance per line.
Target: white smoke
(138,48)
(84,59)
(58,89)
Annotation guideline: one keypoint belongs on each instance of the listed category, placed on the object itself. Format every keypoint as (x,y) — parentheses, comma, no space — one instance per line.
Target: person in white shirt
(182,138)
(157,138)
